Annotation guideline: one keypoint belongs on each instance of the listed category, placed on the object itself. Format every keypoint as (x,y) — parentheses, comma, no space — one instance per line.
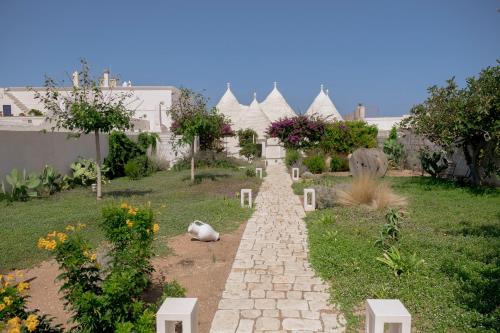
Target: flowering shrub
(105,299)
(14,317)
(297,132)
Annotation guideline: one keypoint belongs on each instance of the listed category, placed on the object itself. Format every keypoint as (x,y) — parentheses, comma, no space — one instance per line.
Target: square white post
(265,162)
(387,311)
(246,191)
(258,171)
(309,207)
(174,310)
(295,174)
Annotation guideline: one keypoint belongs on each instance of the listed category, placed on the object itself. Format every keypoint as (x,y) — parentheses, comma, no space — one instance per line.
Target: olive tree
(86,108)
(468,118)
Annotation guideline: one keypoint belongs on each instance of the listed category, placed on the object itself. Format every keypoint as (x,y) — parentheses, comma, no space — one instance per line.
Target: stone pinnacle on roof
(323,107)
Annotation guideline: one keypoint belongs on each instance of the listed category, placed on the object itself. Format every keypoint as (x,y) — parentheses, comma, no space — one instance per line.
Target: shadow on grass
(126,193)
(198,178)
(483,230)
(431,184)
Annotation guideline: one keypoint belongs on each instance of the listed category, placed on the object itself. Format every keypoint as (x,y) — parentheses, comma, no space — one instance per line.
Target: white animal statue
(203,232)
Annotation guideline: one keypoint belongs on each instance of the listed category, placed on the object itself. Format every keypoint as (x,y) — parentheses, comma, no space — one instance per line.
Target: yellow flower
(81,226)
(10,277)
(52,234)
(31,322)
(69,227)
(124,205)
(93,257)
(132,211)
(14,322)
(156,227)
(22,286)
(7,300)
(14,330)
(130,224)
(2,306)
(62,236)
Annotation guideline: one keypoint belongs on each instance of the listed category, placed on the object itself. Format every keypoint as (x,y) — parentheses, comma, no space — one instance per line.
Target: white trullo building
(258,116)
(323,107)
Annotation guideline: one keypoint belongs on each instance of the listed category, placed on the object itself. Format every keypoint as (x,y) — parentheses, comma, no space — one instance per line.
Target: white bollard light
(258,171)
(387,311)
(246,192)
(295,174)
(173,310)
(309,199)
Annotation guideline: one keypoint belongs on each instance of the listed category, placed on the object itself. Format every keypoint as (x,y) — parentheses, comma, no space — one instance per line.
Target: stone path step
(271,286)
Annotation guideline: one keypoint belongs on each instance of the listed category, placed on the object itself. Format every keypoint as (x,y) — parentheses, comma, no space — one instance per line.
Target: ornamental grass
(366,191)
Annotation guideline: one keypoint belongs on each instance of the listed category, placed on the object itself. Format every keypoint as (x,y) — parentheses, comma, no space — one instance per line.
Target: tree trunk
(98,164)
(471,157)
(192,160)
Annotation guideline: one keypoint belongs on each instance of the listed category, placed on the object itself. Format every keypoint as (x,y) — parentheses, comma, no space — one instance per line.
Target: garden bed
(175,202)
(456,230)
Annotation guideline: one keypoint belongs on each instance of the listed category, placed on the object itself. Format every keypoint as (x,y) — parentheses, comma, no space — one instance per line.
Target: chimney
(105,79)
(360,112)
(75,79)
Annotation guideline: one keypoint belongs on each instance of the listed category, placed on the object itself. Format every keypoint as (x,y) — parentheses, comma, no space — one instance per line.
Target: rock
(307,175)
(326,196)
(371,161)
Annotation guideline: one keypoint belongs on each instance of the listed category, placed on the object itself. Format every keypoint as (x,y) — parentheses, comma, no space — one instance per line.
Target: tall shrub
(247,139)
(346,136)
(102,299)
(121,150)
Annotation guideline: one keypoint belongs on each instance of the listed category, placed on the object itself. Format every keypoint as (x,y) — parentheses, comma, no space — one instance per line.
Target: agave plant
(398,263)
(22,187)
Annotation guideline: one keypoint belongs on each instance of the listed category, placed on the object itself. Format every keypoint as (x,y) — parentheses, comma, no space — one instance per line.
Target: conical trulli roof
(323,107)
(229,106)
(255,118)
(275,106)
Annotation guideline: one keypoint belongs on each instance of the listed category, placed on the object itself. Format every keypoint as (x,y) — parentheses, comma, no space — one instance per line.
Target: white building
(323,107)
(259,116)
(149,104)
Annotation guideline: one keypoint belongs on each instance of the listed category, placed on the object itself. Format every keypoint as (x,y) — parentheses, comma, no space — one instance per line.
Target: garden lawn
(174,200)
(456,231)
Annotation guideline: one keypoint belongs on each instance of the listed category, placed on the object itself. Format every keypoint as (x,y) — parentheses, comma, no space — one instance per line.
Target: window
(7,111)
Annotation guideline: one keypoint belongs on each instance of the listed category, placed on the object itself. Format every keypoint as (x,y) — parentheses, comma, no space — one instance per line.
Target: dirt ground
(202,268)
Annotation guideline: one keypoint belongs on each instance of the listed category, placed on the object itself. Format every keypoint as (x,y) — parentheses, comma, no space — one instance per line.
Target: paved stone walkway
(271,287)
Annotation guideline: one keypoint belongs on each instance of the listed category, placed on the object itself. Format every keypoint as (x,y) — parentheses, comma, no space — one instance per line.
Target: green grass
(456,231)
(175,202)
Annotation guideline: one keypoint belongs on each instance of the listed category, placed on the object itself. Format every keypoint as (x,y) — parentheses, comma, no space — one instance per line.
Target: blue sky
(382,53)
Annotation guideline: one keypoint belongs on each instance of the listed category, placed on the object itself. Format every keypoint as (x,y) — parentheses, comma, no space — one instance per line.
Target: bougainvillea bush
(105,295)
(299,132)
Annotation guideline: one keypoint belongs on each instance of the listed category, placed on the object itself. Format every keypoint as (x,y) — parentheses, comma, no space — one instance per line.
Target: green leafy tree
(191,119)
(247,139)
(86,108)
(468,118)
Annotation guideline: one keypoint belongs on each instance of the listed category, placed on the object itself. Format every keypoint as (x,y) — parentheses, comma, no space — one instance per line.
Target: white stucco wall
(145,101)
(384,123)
